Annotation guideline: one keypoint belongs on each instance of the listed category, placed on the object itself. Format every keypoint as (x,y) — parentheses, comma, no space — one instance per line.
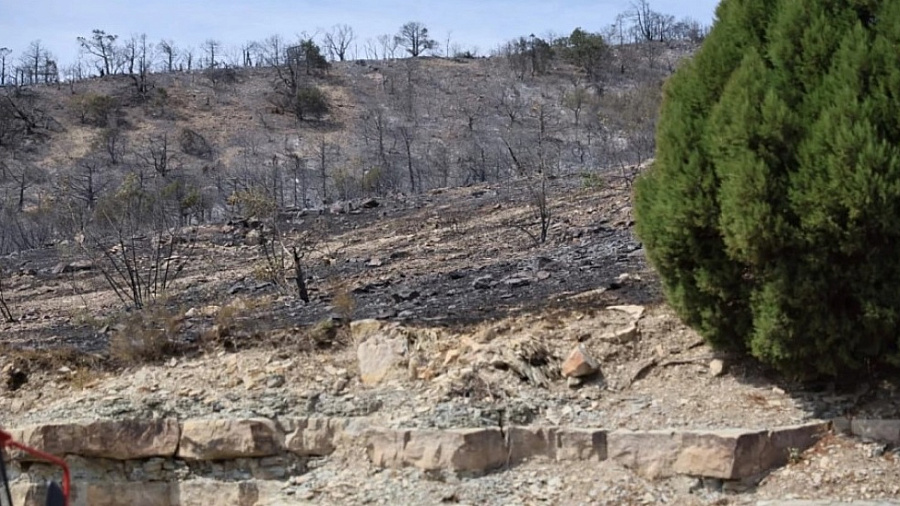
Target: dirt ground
(837,469)
(479,299)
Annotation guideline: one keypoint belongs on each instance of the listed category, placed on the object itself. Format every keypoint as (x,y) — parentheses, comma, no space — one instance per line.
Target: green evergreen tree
(772,211)
(312,56)
(587,51)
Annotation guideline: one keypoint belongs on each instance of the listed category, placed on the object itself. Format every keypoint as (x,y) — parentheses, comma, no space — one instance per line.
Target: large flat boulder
(726,454)
(883,431)
(204,492)
(229,439)
(461,450)
(108,439)
(580,444)
(313,436)
(59,439)
(131,439)
(382,352)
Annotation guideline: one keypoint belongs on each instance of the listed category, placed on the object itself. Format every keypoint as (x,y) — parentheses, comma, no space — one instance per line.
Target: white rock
(635,312)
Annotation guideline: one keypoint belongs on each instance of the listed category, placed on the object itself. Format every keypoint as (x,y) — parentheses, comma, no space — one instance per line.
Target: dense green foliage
(310,102)
(772,212)
(311,56)
(587,51)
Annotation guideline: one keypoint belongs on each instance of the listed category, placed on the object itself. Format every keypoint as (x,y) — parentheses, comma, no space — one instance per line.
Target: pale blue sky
(484,23)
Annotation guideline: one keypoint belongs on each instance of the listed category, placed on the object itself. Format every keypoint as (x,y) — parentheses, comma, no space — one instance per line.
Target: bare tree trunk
(4,308)
(296,181)
(407,135)
(298,272)
(22,187)
(323,167)
(409,164)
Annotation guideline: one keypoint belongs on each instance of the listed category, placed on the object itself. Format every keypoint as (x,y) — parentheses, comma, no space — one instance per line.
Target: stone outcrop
(117,440)
(382,351)
(131,439)
(198,492)
(580,444)
(229,439)
(313,436)
(726,454)
(462,450)
(882,431)
(167,462)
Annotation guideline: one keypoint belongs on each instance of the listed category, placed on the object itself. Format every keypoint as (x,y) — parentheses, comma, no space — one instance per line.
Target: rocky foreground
(385,423)
(443,358)
(351,461)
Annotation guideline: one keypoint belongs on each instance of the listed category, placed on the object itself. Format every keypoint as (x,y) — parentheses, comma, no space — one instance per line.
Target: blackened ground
(446,258)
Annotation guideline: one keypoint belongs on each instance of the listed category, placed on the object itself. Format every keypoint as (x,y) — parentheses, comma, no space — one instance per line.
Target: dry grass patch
(84,378)
(344,303)
(147,336)
(21,365)
(238,324)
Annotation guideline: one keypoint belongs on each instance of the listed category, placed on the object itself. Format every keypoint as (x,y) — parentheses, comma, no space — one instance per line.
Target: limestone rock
(529,442)
(460,450)
(883,431)
(381,355)
(195,492)
(314,436)
(726,454)
(620,335)
(130,439)
(360,330)
(56,439)
(634,312)
(28,494)
(580,444)
(114,494)
(616,324)
(716,367)
(579,364)
(204,492)
(229,439)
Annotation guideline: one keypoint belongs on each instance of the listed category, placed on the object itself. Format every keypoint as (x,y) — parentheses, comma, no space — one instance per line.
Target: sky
(469,23)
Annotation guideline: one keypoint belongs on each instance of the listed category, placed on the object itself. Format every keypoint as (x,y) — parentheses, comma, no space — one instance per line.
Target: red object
(6,441)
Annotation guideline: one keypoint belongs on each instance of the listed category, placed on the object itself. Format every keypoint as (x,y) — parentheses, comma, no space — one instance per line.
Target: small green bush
(310,101)
(95,109)
(772,212)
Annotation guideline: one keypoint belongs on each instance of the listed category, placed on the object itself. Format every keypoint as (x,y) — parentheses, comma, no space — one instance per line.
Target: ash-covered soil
(490,315)
(452,257)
